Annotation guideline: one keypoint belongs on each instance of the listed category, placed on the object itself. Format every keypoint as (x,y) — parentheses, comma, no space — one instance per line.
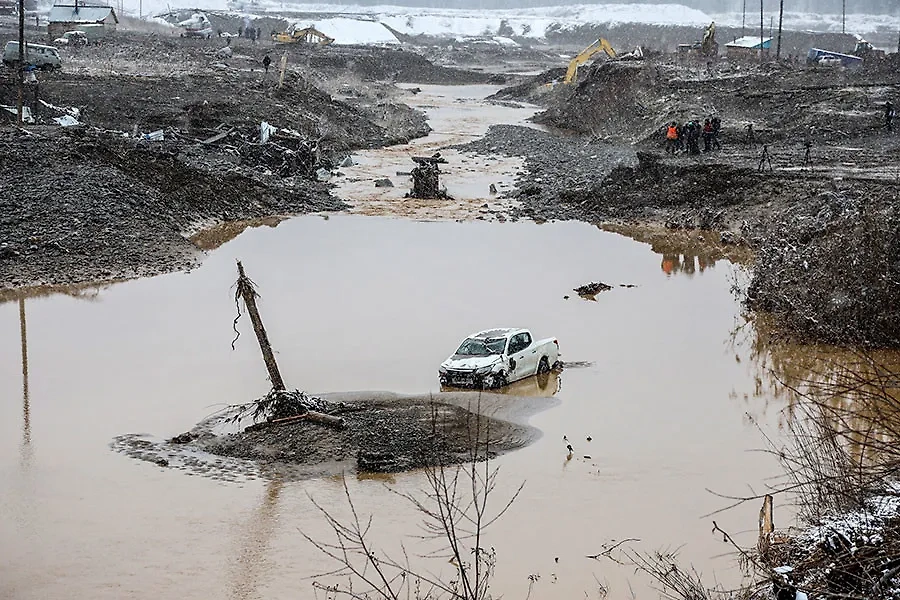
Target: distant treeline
(889,7)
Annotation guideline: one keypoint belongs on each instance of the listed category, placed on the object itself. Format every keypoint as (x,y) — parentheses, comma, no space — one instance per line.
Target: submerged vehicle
(497,357)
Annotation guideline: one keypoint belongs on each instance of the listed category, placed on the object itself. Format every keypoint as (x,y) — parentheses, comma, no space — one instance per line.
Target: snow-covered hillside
(527,22)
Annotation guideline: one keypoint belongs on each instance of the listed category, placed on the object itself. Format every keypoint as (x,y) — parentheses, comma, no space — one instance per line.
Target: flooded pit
(365,303)
(457,115)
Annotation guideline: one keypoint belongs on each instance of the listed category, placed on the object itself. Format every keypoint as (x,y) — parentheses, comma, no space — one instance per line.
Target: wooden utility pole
(844,16)
(780,21)
(247,292)
(744,20)
(762,31)
(21,82)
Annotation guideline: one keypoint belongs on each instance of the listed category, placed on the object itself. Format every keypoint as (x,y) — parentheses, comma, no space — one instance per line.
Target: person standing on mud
(694,137)
(267,60)
(707,135)
(671,137)
(716,127)
(889,116)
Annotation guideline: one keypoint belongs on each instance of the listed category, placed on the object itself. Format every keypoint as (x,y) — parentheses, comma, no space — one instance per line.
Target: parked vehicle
(497,357)
(72,39)
(37,55)
(198,26)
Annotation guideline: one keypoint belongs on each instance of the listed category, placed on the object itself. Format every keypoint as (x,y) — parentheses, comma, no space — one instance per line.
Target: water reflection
(684,252)
(252,562)
(26,451)
(82,291)
(852,392)
(687,264)
(542,385)
(212,238)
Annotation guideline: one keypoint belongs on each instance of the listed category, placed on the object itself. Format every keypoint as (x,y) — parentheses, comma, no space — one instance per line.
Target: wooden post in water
(762,24)
(247,292)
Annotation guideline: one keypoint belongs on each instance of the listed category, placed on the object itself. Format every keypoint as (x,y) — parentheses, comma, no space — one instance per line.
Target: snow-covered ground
(527,22)
(533,22)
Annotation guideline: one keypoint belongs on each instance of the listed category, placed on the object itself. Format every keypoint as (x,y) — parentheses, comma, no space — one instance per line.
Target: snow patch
(349,31)
(861,527)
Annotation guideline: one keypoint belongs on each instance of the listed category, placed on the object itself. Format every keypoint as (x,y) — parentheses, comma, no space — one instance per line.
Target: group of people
(686,138)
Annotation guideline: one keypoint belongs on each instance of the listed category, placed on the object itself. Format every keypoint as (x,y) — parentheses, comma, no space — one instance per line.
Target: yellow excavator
(307,35)
(601,45)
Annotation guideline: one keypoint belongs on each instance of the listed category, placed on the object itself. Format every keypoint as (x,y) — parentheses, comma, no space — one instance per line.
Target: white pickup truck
(496,357)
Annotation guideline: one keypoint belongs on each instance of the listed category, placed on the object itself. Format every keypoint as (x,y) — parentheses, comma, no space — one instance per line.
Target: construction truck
(306,35)
(709,46)
(600,45)
(706,47)
(867,51)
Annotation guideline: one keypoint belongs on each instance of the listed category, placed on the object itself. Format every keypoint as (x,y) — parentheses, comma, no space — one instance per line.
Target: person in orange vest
(671,137)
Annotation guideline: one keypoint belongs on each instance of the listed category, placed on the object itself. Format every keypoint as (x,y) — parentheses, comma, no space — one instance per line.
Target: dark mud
(557,167)
(80,206)
(382,433)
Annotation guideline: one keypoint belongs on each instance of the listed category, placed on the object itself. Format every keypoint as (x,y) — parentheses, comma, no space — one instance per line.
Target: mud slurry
(477,186)
(382,433)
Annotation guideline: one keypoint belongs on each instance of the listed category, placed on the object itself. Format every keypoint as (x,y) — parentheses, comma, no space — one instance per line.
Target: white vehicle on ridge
(496,357)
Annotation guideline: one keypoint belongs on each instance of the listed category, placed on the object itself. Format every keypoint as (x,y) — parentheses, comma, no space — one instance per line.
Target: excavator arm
(601,45)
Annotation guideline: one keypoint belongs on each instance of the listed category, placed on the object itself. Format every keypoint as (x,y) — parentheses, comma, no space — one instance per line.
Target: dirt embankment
(79,206)
(631,101)
(624,37)
(821,227)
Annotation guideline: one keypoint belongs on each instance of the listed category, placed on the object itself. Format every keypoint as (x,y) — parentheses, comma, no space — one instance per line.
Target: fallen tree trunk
(313,416)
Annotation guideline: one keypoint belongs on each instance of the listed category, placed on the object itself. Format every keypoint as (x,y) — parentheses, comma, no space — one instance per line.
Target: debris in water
(426,177)
(279,404)
(590,290)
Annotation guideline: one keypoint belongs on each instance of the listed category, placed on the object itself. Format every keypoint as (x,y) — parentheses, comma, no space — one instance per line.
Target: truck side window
(515,344)
(526,340)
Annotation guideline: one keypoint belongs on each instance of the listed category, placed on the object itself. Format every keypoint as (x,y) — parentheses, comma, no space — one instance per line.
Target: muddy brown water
(356,303)
(367,303)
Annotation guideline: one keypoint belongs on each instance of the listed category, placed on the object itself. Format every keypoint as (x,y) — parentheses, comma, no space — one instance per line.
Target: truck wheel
(544,365)
(497,380)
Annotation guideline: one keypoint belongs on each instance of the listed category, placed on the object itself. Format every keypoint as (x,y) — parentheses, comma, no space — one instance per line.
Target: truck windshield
(486,347)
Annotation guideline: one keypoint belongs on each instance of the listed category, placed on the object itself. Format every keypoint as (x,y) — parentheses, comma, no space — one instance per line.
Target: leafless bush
(456,512)
(665,569)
